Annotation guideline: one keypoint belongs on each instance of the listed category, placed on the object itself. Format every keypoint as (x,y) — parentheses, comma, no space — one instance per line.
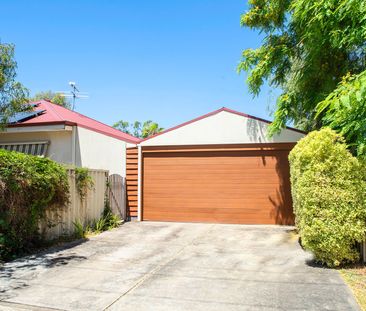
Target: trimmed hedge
(328,190)
(28,185)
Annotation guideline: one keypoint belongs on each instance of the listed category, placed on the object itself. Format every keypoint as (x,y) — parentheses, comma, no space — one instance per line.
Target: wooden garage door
(243,186)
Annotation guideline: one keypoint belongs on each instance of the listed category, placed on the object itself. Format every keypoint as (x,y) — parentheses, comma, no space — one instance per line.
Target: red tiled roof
(55,114)
(216,112)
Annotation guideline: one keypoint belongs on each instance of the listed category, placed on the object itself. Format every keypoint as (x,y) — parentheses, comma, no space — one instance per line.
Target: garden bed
(355,277)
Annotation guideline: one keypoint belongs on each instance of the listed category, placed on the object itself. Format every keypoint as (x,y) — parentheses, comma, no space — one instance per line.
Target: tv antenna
(74,94)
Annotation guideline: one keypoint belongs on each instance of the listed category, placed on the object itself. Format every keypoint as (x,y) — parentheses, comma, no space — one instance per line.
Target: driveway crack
(154,271)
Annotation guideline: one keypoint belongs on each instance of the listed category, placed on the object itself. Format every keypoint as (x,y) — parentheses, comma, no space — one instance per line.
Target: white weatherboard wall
(222,128)
(75,146)
(59,148)
(99,151)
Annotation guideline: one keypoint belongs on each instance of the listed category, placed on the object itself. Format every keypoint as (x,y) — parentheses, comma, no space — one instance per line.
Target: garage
(219,168)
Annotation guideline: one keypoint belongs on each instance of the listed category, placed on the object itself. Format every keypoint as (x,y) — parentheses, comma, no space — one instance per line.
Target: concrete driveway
(175,266)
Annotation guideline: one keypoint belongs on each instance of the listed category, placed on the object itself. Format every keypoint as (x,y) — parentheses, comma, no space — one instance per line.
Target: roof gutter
(40,124)
(65,123)
(30,128)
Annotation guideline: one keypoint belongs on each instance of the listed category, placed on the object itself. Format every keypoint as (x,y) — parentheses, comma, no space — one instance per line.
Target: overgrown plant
(107,221)
(28,186)
(84,181)
(328,190)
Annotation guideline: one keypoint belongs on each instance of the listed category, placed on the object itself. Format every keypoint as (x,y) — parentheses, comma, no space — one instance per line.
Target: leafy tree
(150,128)
(13,95)
(123,126)
(53,98)
(308,47)
(344,110)
(138,129)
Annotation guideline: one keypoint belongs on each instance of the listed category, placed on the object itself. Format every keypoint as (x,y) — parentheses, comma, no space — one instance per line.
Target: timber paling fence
(60,221)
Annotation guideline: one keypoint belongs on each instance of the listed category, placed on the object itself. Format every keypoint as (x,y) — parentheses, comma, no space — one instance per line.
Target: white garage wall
(222,128)
(98,151)
(59,148)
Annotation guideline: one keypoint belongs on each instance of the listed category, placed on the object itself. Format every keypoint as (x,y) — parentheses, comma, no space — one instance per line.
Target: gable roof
(54,114)
(214,113)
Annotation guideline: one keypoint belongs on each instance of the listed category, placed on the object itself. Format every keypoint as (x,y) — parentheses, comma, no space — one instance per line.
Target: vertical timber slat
(131,181)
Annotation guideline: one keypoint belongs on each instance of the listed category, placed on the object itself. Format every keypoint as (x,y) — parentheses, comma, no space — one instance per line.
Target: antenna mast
(74,94)
(74,91)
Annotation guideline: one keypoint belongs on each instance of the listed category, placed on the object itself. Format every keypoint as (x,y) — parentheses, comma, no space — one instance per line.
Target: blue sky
(168,61)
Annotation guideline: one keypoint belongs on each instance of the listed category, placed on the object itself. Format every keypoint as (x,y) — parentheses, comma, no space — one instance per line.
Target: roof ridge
(62,114)
(53,110)
(259,119)
(82,115)
(186,123)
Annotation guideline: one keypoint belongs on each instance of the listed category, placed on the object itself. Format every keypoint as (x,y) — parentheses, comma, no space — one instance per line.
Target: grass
(355,277)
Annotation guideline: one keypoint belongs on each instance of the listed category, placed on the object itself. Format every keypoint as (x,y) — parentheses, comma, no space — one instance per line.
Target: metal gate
(116,185)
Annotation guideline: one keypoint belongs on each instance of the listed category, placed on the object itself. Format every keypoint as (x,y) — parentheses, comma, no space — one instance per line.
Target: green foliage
(150,128)
(84,181)
(123,126)
(99,225)
(79,231)
(28,185)
(111,220)
(308,47)
(53,98)
(328,190)
(144,130)
(108,221)
(344,110)
(137,129)
(13,95)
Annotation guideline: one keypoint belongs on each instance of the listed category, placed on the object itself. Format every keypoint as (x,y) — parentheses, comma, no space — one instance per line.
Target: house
(67,137)
(221,167)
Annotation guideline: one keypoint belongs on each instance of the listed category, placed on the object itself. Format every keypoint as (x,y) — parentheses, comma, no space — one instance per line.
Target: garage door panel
(211,163)
(203,182)
(204,173)
(195,196)
(248,218)
(222,154)
(223,180)
(220,195)
(185,187)
(229,187)
(244,204)
(220,175)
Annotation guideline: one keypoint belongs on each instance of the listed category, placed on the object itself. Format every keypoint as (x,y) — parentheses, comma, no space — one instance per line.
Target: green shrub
(28,185)
(328,190)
